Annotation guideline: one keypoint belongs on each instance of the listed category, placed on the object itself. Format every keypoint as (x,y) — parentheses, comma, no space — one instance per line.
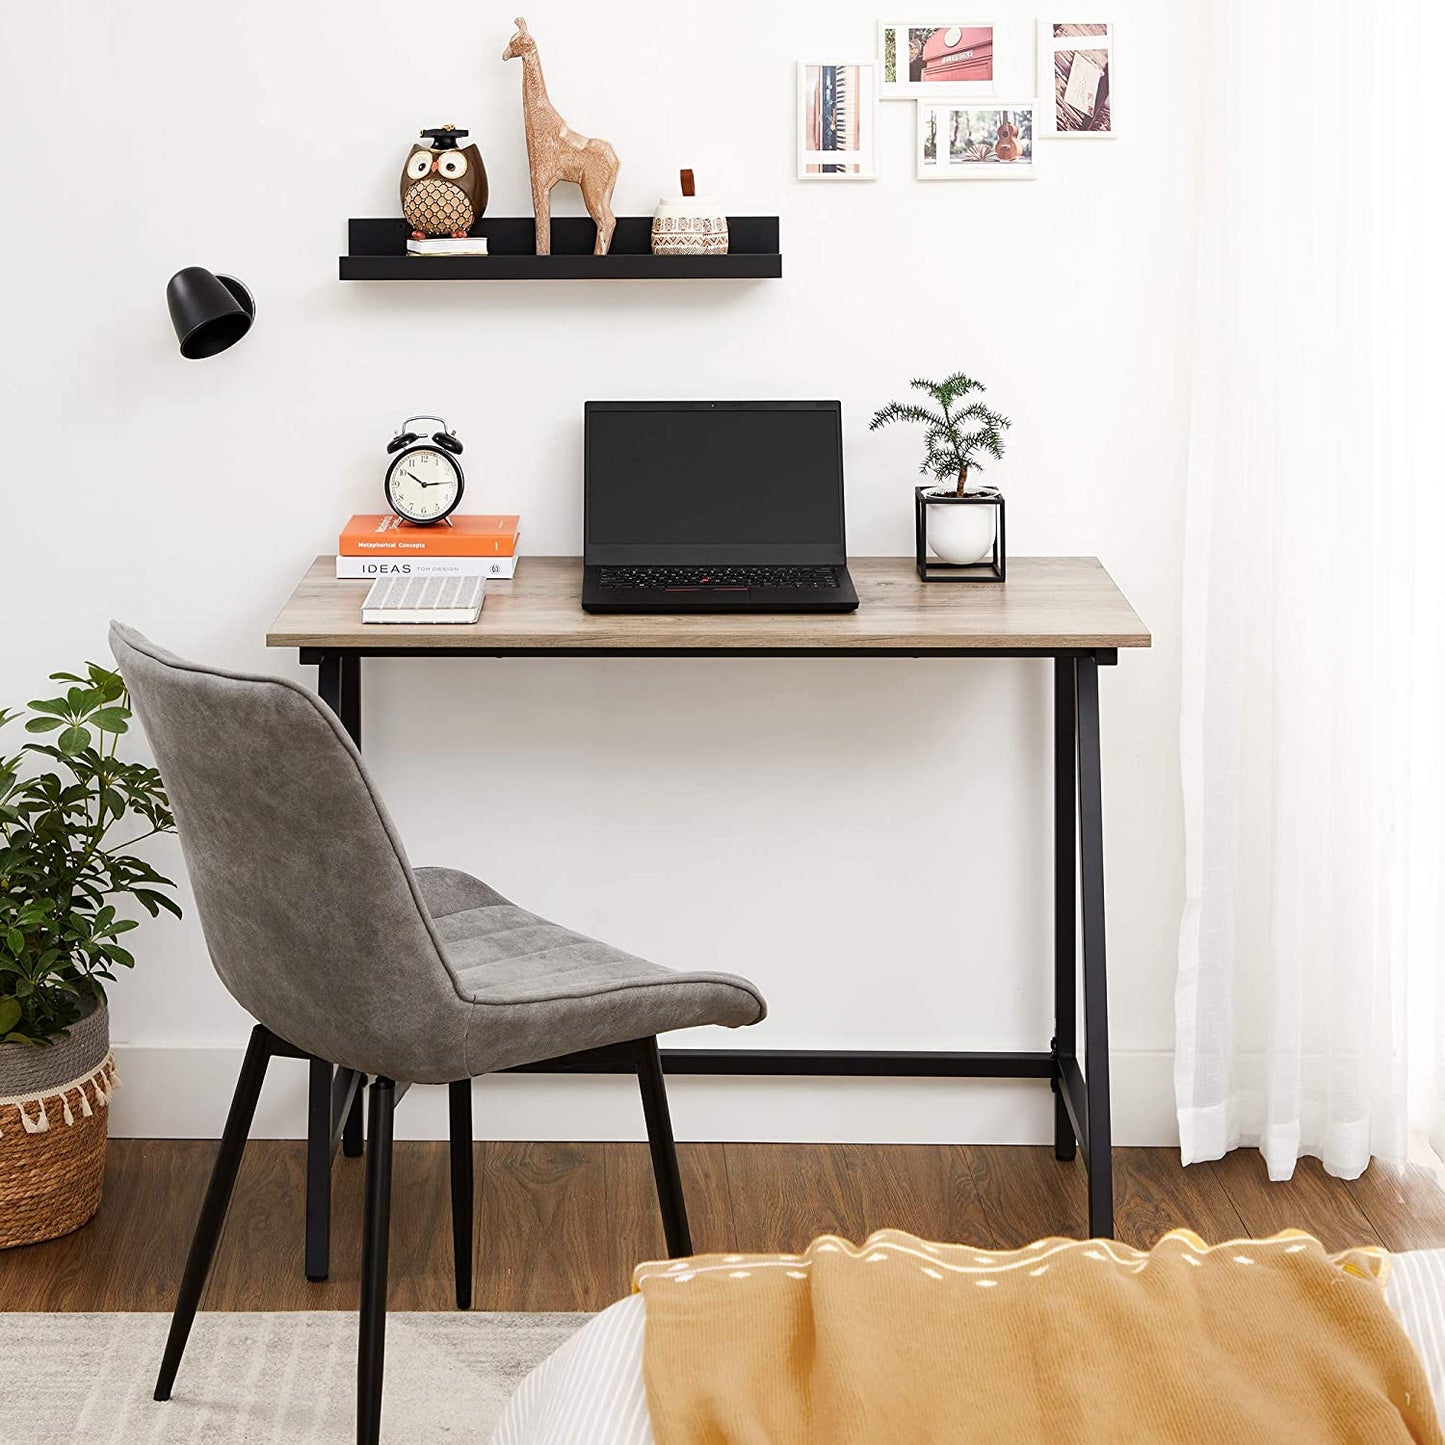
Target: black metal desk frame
(1081,1100)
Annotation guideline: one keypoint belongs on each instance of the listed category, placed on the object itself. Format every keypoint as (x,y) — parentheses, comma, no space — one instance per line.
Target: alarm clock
(424,481)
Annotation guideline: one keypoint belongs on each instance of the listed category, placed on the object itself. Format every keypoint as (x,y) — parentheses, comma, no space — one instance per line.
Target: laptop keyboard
(738,579)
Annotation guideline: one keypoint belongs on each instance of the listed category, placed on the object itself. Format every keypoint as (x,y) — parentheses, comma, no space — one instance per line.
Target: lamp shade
(209,312)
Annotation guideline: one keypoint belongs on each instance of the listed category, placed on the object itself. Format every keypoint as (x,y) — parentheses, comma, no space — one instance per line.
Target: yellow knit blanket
(1066,1341)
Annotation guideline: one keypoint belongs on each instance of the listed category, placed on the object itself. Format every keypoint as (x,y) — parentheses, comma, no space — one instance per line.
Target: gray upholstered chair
(347,956)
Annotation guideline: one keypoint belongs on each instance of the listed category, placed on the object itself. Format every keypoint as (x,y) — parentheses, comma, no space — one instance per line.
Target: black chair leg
(376,1242)
(213,1209)
(459,1102)
(318,1172)
(664,1150)
(351,1134)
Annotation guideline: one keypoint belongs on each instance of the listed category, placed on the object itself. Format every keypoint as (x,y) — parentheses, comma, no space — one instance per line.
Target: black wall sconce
(209,312)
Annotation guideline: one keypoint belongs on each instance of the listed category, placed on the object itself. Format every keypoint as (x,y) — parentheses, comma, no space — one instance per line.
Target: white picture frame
(837,120)
(943,155)
(895,60)
(1076,89)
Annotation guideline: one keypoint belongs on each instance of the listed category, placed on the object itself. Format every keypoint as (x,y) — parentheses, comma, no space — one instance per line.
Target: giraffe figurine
(555,152)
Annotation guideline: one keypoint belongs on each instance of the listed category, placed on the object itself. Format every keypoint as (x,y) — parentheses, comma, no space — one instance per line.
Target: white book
(498,568)
(448,246)
(424,599)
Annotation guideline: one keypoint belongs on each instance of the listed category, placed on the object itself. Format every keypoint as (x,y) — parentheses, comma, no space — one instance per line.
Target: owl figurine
(443,186)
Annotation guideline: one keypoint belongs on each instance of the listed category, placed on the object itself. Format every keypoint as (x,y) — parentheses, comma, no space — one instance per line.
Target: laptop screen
(714,482)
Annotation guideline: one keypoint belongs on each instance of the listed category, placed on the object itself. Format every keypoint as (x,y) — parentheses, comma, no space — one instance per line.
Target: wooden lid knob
(689,186)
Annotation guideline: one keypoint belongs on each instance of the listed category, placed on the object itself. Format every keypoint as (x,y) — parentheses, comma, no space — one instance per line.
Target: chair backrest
(310,909)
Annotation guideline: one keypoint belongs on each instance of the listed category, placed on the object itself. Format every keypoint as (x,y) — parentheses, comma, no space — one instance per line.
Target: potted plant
(957,433)
(64,874)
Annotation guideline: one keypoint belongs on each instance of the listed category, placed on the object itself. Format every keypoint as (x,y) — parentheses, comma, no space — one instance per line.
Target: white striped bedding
(590,1392)
(1416,1292)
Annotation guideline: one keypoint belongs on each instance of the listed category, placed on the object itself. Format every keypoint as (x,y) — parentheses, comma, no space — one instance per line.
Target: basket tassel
(103,1081)
(40,1125)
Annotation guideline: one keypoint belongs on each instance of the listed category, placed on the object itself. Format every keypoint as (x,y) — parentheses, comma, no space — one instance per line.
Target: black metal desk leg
(1066,952)
(328,681)
(348,708)
(338,680)
(1099,1153)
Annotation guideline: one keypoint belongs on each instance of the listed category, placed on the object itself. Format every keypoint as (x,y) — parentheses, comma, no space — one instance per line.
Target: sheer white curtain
(1309,1003)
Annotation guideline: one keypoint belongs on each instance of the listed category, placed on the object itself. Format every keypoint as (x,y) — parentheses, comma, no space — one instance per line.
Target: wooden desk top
(1047,604)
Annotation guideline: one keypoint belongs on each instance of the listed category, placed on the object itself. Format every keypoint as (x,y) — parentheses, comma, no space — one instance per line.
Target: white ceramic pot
(689,226)
(960,533)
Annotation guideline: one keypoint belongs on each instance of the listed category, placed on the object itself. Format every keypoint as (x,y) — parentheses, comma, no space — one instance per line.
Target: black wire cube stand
(930,569)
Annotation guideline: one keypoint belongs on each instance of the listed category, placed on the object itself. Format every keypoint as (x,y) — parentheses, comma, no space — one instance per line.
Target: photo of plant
(976,142)
(952,56)
(1076,72)
(837,121)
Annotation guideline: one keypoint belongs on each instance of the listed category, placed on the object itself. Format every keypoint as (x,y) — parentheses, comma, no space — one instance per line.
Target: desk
(1064,610)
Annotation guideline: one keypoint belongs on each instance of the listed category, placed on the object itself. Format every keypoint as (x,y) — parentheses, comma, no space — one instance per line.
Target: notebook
(424,599)
(450,246)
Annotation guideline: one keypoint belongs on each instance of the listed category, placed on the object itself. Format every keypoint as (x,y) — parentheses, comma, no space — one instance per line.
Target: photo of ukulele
(1007,146)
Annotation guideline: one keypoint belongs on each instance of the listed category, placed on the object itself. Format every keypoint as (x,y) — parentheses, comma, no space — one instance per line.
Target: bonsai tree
(62,871)
(956,431)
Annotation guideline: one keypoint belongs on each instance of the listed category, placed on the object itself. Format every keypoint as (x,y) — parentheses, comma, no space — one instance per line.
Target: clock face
(423,484)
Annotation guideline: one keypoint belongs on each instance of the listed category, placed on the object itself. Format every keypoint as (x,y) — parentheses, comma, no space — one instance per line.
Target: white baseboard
(183,1093)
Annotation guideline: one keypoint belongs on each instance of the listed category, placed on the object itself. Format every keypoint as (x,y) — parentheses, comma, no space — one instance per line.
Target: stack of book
(386,546)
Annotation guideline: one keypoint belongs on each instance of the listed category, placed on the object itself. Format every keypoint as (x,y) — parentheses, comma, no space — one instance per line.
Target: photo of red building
(951,54)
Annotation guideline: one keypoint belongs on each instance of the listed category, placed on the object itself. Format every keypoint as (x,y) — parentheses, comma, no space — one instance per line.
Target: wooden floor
(560,1225)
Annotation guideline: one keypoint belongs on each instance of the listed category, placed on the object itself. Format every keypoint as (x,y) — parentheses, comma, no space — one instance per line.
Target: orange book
(468,536)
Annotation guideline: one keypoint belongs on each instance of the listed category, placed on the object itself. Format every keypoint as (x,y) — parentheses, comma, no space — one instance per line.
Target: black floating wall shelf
(378,253)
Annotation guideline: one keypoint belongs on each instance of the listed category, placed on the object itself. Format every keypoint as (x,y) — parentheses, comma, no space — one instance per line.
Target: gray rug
(262,1379)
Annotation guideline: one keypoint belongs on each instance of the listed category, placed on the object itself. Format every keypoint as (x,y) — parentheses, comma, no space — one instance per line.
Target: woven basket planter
(53,1107)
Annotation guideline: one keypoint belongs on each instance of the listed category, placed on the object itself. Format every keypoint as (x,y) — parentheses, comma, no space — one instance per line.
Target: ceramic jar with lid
(688,225)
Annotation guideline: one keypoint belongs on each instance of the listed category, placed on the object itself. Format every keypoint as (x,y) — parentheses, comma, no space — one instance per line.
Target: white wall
(186,497)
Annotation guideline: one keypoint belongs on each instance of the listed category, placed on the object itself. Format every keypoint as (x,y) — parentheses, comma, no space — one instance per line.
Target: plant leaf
(9,1014)
(106,681)
(73,740)
(154,901)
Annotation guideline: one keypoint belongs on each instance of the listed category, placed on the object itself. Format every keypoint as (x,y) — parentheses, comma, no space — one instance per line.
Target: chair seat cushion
(542,991)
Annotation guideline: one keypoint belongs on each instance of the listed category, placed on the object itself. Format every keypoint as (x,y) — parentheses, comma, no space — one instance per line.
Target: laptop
(714,506)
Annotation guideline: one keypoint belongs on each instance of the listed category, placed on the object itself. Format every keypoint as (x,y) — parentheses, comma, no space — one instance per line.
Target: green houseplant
(71,812)
(959,431)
